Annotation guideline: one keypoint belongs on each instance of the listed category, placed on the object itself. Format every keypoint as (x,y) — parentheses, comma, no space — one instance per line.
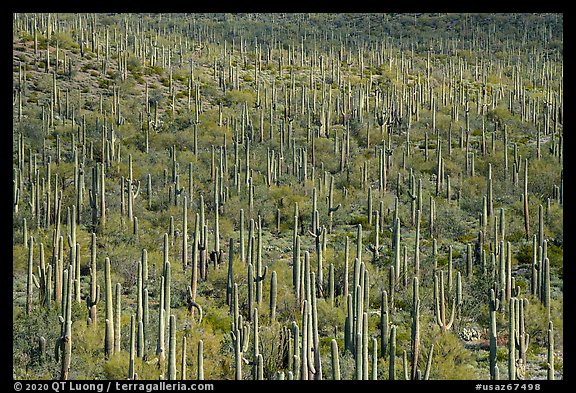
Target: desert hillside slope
(287,196)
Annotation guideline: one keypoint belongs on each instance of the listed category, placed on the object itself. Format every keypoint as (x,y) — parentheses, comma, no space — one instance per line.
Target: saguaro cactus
(440,303)
(64,343)
(259,275)
(494,305)
(522,338)
(195,255)
(429,363)
(131,371)
(415,345)
(200,360)
(185,234)
(296,267)
(160,349)
(331,207)
(240,339)
(392,362)
(396,247)
(118,316)
(242,240)
(525,201)
(511,340)
(44,281)
(172,349)
(417,245)
(109,336)
(359,242)
(550,358)
(305,362)
(335,360)
(93,297)
(315,338)
(183,363)
(545,290)
(273,291)
(30,279)
(256,349)
(348,340)
(167,286)
(230,276)
(384,324)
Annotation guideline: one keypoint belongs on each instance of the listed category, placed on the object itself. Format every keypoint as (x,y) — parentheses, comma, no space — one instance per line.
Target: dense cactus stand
(287,196)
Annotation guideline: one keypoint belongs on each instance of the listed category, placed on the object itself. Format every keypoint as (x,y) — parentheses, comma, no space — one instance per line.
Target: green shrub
(452,360)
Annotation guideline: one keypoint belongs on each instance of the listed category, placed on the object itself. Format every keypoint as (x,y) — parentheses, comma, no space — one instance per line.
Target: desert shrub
(115,367)
(451,359)
(236,98)
(524,254)
(555,227)
(542,176)
(450,222)
(63,39)
(151,70)
(25,333)
(330,318)
(347,364)
(133,64)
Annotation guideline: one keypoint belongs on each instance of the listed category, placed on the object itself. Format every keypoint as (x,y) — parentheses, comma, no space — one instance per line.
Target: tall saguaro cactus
(230,276)
(415,335)
(550,357)
(160,346)
(44,282)
(335,360)
(521,338)
(131,368)
(392,361)
(494,305)
(440,308)
(118,316)
(30,279)
(511,340)
(185,234)
(273,295)
(525,201)
(172,349)
(109,337)
(200,361)
(64,342)
(93,297)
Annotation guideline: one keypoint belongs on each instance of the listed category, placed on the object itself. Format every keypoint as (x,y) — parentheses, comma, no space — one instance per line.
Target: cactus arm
(192,303)
(449,324)
(263,276)
(57,349)
(429,363)
(97,295)
(137,189)
(197,306)
(92,198)
(333,209)
(311,364)
(246,339)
